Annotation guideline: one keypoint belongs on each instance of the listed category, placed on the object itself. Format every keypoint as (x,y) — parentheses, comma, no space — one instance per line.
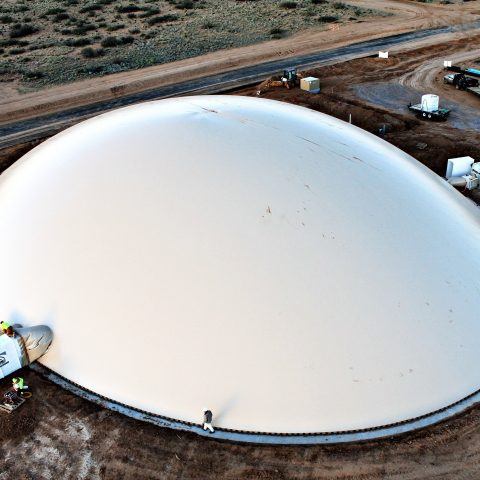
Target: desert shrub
(92,69)
(185,5)
(21,8)
(327,18)
(288,5)
(276,33)
(33,74)
(6,19)
(162,19)
(128,8)
(83,29)
(16,51)
(208,25)
(318,2)
(78,42)
(89,52)
(22,30)
(109,42)
(90,8)
(55,11)
(149,12)
(8,42)
(135,31)
(340,6)
(61,16)
(115,26)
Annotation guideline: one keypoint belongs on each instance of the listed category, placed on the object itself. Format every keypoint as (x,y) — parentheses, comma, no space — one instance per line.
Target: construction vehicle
(429,109)
(290,79)
(17,351)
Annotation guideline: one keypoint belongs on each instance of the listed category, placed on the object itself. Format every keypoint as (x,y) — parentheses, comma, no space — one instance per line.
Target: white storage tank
(430,102)
(310,84)
(457,167)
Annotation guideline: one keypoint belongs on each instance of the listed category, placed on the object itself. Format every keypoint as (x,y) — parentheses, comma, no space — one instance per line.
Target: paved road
(47,125)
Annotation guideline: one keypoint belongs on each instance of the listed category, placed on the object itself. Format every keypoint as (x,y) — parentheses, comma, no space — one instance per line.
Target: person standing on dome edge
(207,420)
(7,329)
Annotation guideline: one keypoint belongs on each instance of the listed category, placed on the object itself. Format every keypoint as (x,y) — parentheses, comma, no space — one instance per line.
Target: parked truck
(464,79)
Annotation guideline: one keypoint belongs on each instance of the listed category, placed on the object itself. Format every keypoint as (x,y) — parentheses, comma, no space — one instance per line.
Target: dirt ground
(57,435)
(401,16)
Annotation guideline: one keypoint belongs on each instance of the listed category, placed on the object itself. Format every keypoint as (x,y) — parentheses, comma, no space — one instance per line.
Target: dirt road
(405,16)
(46,125)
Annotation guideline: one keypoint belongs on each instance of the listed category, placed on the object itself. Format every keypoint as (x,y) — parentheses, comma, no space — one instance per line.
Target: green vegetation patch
(74,39)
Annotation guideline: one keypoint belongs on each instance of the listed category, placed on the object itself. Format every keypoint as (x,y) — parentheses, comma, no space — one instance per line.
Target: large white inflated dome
(287,270)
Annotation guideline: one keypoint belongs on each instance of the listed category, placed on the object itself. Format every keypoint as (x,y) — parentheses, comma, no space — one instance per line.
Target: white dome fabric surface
(286,270)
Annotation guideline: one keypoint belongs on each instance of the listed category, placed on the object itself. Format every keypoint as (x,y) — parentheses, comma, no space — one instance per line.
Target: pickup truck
(461,81)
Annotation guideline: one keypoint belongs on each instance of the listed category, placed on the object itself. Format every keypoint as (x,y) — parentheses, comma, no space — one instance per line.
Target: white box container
(458,167)
(382,54)
(447,63)
(310,84)
(430,102)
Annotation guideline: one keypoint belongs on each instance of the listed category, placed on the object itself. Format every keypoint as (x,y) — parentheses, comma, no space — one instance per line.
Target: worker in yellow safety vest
(19,384)
(7,328)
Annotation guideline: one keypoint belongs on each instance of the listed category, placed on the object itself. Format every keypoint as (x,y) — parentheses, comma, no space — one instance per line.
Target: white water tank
(457,167)
(430,102)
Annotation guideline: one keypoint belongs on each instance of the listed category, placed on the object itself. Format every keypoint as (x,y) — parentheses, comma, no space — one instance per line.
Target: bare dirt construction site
(58,435)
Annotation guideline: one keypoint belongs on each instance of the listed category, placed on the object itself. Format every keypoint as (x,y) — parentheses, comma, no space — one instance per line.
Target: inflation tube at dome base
(330,438)
(28,345)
